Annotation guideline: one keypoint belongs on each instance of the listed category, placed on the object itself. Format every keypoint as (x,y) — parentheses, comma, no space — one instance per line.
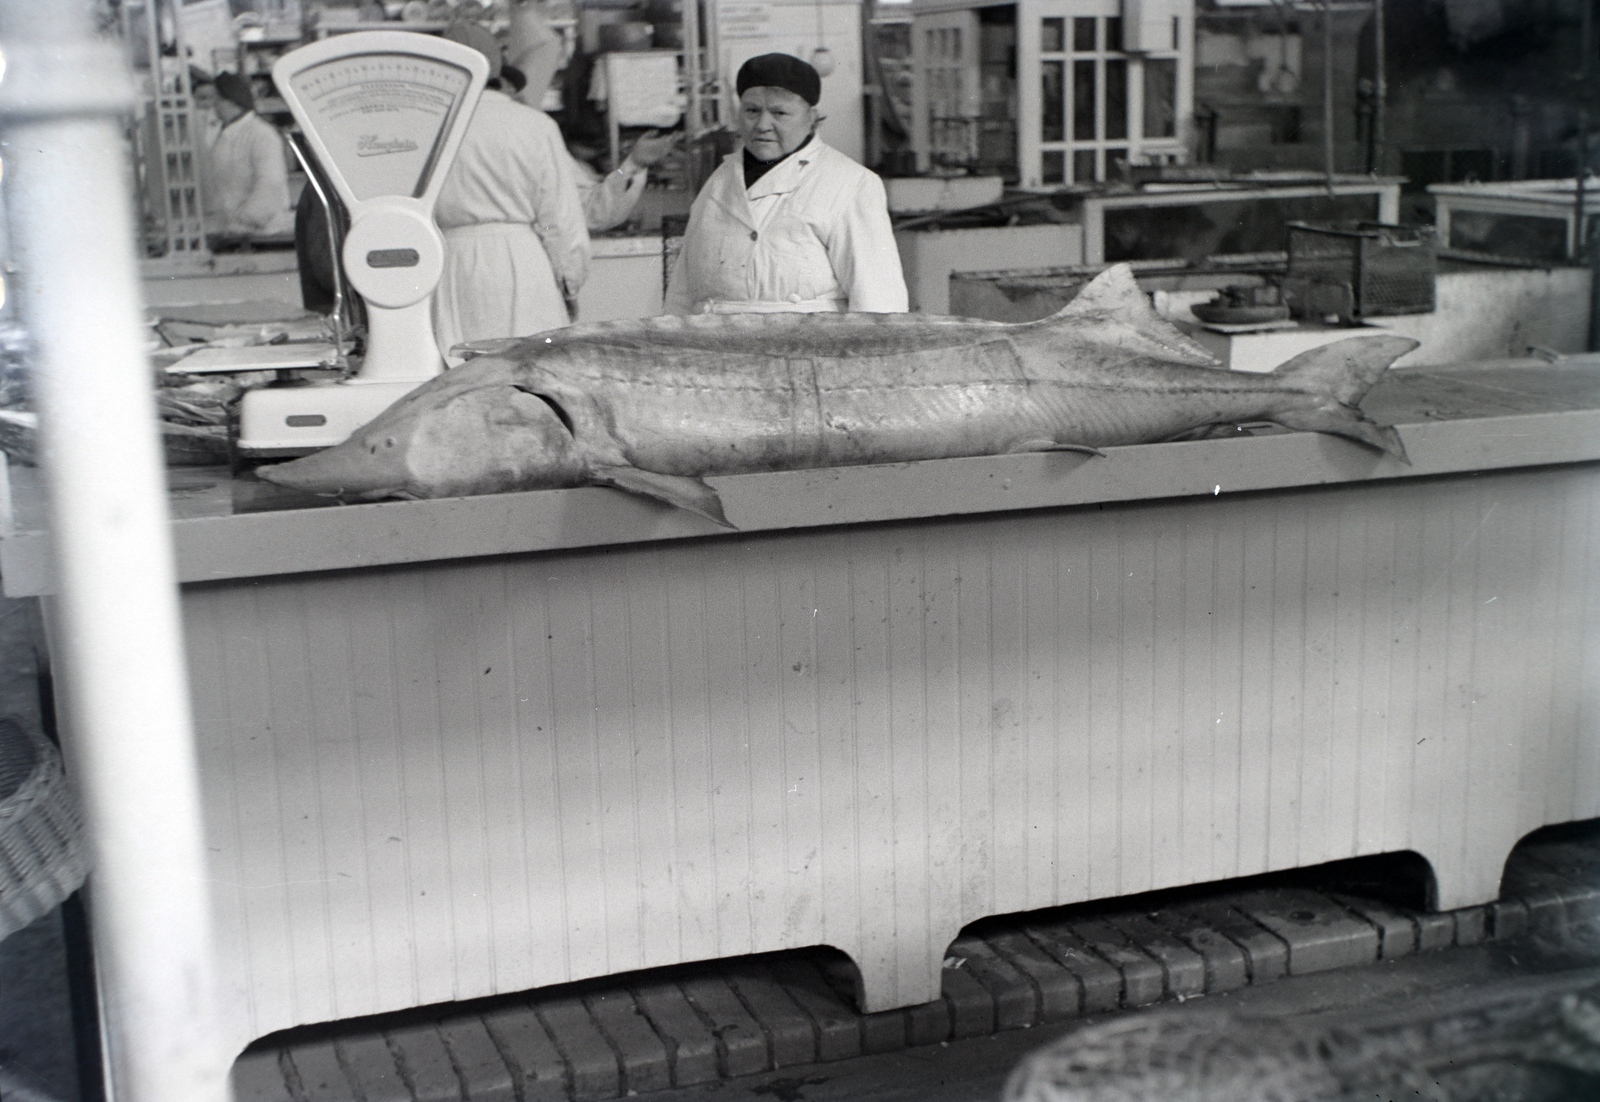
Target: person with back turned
(515,247)
(788,223)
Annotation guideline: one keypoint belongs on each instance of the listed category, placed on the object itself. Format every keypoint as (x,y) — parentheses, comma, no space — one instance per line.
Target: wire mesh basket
(42,855)
(1361,269)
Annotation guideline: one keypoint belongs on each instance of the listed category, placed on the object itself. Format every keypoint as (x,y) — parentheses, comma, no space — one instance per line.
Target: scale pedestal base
(293,420)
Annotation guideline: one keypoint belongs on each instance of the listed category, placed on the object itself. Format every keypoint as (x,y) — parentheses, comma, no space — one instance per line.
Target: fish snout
(368,465)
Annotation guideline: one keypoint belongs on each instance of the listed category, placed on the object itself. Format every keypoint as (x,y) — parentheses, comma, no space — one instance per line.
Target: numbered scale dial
(382,118)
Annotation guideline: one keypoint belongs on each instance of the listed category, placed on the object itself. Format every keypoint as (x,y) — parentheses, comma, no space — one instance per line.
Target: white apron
(515,246)
(497,282)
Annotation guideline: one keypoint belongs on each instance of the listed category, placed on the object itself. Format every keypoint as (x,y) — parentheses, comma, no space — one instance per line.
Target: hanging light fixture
(822,57)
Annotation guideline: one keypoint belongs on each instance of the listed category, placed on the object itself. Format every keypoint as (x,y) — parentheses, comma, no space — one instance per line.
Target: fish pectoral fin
(1045,444)
(673,489)
(471,350)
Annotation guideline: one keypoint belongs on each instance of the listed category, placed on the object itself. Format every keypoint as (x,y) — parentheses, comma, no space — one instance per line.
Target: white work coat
(811,235)
(515,246)
(246,187)
(607,200)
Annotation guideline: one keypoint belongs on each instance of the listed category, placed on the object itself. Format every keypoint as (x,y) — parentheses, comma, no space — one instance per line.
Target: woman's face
(774,121)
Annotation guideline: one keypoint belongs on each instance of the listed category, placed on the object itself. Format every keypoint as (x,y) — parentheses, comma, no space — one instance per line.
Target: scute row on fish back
(655,405)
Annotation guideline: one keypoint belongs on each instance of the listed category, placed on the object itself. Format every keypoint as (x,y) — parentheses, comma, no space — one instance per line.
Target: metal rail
(115,625)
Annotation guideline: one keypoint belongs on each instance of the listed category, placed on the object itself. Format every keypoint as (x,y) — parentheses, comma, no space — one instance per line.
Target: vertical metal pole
(1381,87)
(694,157)
(1585,245)
(62,96)
(1327,90)
(1580,200)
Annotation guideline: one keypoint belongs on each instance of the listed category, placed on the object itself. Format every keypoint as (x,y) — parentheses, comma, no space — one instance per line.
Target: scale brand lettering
(370,145)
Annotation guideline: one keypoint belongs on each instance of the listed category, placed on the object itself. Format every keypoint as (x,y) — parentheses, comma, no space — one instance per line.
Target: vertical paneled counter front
(465,746)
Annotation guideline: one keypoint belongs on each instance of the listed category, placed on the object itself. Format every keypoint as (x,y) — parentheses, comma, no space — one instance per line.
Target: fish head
(472,430)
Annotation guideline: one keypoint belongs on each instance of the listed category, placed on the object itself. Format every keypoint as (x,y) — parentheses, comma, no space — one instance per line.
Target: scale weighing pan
(384,112)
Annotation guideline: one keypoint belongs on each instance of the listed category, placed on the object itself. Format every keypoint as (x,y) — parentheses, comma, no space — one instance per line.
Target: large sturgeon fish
(652,406)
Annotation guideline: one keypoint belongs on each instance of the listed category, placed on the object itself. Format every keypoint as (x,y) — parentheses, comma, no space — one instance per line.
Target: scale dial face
(382,117)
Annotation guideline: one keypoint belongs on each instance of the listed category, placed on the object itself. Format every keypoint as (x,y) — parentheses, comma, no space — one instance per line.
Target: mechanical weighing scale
(384,112)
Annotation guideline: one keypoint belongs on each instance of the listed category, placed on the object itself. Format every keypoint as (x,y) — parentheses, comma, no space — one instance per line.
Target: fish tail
(1337,377)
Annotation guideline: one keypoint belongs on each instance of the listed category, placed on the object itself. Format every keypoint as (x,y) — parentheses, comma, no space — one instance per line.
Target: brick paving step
(645,1065)
(683,1026)
(592,1068)
(477,1059)
(368,1059)
(1226,966)
(691,1049)
(530,1055)
(424,1064)
(790,1036)
(741,1042)
(1320,934)
(1059,994)
(837,1025)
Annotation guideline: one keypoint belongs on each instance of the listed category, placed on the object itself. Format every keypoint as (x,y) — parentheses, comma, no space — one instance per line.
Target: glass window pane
(1161,98)
(1116,163)
(1083,167)
(1114,35)
(1116,99)
(1083,100)
(1052,167)
(1052,97)
(1083,35)
(1053,36)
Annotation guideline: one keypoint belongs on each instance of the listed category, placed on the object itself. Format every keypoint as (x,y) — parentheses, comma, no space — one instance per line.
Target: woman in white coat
(788,223)
(515,247)
(245,177)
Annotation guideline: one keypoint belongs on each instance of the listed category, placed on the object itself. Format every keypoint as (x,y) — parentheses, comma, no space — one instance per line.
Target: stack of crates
(1360,269)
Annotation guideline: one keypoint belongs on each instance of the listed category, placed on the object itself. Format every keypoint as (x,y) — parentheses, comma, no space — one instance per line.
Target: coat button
(754,235)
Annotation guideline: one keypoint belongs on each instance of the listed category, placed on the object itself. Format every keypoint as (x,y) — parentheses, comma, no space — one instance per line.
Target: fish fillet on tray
(654,405)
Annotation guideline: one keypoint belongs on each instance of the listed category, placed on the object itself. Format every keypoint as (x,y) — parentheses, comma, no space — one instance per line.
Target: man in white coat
(515,247)
(788,223)
(245,181)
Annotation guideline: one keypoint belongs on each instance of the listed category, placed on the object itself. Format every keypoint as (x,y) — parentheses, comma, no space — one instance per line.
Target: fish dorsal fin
(1113,296)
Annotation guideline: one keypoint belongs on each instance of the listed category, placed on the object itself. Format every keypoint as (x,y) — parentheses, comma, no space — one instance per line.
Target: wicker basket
(42,855)
(1360,269)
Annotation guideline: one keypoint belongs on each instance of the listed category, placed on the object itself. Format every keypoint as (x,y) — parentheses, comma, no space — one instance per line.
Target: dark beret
(232,86)
(780,71)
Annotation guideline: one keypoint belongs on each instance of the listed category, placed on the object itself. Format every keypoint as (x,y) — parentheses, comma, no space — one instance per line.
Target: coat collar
(734,198)
(786,176)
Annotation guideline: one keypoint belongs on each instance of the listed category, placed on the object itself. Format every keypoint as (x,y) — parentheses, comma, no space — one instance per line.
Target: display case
(1526,219)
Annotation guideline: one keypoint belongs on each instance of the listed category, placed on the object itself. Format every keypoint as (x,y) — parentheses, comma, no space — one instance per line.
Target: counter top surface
(1453,420)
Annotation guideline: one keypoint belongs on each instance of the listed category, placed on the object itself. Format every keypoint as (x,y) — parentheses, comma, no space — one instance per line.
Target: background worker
(609,200)
(245,178)
(787,223)
(533,51)
(516,249)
